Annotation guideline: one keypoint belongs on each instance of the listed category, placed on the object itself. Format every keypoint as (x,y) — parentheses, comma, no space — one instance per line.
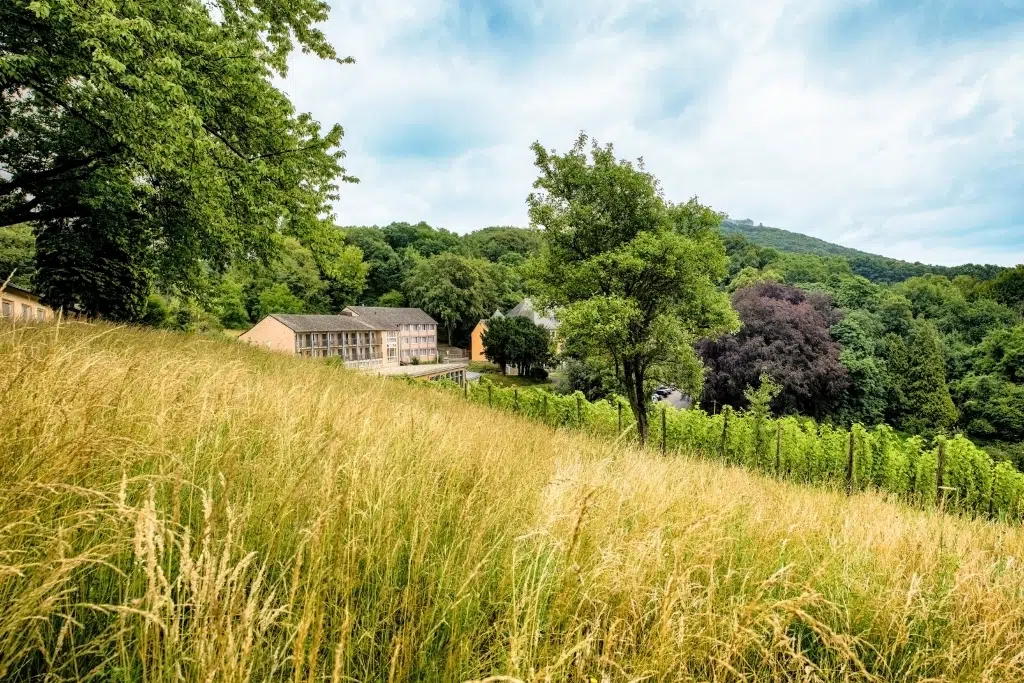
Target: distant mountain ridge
(872,266)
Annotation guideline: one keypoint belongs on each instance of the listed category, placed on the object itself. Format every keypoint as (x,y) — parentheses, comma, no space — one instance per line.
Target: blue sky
(896,127)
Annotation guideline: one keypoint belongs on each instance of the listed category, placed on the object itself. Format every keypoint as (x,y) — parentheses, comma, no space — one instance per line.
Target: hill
(178,507)
(872,266)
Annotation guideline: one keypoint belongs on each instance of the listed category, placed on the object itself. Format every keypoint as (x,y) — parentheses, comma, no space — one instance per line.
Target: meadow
(176,507)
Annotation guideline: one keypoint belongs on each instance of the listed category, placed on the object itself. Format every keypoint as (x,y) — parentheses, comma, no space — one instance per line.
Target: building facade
(20,304)
(362,338)
(417,331)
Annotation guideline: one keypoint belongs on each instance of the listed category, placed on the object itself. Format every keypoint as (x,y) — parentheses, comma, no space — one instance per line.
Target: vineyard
(952,472)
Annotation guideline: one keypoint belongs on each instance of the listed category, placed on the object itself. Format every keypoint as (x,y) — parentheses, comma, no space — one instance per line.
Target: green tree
(154,127)
(18,255)
(279,299)
(636,274)
(929,408)
(450,287)
(495,242)
(518,342)
(229,305)
(1008,288)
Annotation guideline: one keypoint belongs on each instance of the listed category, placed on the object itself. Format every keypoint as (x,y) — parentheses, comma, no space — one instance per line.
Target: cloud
(894,127)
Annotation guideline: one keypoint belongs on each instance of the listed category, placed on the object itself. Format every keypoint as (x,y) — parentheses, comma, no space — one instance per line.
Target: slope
(182,508)
(872,266)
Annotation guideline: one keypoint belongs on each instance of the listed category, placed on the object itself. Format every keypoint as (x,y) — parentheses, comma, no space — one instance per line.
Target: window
(8,309)
(40,314)
(26,311)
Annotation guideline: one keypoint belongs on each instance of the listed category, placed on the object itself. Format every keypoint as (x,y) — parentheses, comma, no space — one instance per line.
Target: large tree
(635,274)
(154,128)
(518,342)
(785,335)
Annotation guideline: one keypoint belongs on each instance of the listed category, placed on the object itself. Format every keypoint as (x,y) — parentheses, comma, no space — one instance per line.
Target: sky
(892,126)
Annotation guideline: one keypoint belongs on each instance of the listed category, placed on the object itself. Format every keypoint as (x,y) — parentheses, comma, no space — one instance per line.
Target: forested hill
(876,268)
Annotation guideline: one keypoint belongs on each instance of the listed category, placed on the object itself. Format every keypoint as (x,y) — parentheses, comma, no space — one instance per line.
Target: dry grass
(179,508)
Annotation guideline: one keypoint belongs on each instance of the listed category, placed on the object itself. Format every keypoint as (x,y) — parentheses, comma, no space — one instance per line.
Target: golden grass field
(182,508)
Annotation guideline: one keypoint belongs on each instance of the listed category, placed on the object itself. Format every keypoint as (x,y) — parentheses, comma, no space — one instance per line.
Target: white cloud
(889,147)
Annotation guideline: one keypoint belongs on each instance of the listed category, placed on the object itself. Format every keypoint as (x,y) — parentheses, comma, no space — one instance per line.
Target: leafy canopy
(153,128)
(634,274)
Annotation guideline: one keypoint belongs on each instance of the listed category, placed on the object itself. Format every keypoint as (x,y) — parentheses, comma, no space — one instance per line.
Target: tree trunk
(632,379)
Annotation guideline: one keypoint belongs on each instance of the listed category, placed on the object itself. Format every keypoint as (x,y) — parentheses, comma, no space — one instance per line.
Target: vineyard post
(663,411)
(465,390)
(579,412)
(488,395)
(991,488)
(778,447)
(941,469)
(725,435)
(620,417)
(545,408)
(515,398)
(849,465)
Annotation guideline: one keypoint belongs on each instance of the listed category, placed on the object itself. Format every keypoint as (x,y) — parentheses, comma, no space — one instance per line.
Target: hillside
(178,507)
(872,266)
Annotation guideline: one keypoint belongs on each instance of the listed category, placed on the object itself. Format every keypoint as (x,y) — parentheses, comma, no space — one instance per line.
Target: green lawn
(493,373)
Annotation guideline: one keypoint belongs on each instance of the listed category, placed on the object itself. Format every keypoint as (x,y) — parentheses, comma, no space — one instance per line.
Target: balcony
(364,363)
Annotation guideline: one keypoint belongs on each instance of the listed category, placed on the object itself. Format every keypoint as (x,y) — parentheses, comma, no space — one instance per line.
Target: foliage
(496,242)
(517,342)
(635,274)
(279,299)
(785,334)
(18,255)
(929,408)
(875,268)
(592,377)
(145,139)
(456,290)
(798,449)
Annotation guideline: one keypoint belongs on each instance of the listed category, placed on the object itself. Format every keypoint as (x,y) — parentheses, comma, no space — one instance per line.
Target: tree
(155,127)
(1008,288)
(929,408)
(452,288)
(386,268)
(785,335)
(518,342)
(279,299)
(494,242)
(17,255)
(229,305)
(634,273)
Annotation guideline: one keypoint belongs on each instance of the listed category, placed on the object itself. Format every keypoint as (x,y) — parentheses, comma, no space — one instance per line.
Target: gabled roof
(328,323)
(14,289)
(524,309)
(391,316)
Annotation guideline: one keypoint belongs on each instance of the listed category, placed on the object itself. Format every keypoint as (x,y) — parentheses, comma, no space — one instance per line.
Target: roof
(15,289)
(524,309)
(392,316)
(328,323)
(419,370)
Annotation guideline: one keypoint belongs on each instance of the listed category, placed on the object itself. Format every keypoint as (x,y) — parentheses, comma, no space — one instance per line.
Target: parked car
(663,391)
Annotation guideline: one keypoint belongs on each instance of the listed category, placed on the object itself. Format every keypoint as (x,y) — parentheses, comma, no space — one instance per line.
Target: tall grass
(177,508)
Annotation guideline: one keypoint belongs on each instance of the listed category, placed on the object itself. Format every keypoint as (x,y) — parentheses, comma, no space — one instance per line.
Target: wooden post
(579,412)
(725,435)
(663,430)
(778,447)
(941,470)
(849,467)
(488,395)
(714,406)
(515,398)
(620,417)
(465,388)
(991,489)
(545,408)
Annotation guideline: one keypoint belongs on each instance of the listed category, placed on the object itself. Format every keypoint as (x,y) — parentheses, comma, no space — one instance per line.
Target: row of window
(7,308)
(419,328)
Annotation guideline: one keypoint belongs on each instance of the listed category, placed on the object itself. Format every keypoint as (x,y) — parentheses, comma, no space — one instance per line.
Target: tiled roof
(524,309)
(329,323)
(392,316)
